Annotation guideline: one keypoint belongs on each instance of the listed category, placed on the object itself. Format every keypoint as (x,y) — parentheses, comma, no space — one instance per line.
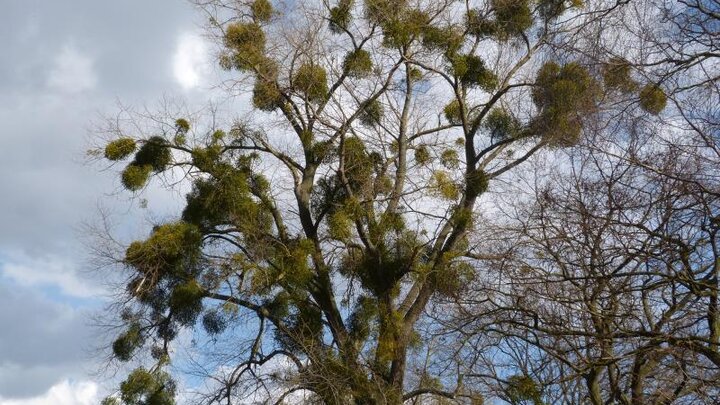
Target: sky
(64,65)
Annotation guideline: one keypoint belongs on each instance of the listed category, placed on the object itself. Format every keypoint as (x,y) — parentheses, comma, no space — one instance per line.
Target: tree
(386,121)
(609,277)
(601,285)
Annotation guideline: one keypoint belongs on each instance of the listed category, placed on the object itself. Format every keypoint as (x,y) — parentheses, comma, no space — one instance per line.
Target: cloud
(51,89)
(64,393)
(42,342)
(191,61)
(280,367)
(49,271)
(73,71)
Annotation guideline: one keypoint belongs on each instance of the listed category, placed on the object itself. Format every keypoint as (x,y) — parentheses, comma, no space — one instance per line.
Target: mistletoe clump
(422,155)
(653,99)
(120,148)
(479,25)
(166,252)
(214,323)
(443,186)
(372,113)
(144,387)
(361,320)
(311,80)
(266,95)
(182,127)
(476,182)
(185,301)
(261,10)
(154,156)
(154,153)
(521,388)
(134,177)
(379,11)
(125,345)
(304,327)
(453,113)
(454,278)
(340,16)
(472,72)
(617,75)
(404,28)
(563,94)
(226,199)
(450,159)
(446,39)
(359,166)
(512,17)
(357,63)
(246,43)
(339,226)
(550,9)
(379,271)
(502,124)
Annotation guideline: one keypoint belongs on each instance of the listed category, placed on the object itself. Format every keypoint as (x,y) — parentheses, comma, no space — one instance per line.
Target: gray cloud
(40,340)
(106,50)
(131,40)
(63,63)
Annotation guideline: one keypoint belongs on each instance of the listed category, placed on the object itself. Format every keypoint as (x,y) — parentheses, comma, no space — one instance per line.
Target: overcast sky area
(63,64)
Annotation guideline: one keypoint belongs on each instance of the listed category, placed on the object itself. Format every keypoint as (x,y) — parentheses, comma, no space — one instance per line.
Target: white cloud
(72,72)
(191,61)
(48,271)
(64,393)
(280,367)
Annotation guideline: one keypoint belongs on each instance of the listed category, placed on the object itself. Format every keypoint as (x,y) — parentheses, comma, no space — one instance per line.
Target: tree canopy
(371,232)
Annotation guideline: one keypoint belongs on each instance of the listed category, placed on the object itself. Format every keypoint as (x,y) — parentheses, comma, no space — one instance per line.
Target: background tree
(606,281)
(602,285)
(384,122)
